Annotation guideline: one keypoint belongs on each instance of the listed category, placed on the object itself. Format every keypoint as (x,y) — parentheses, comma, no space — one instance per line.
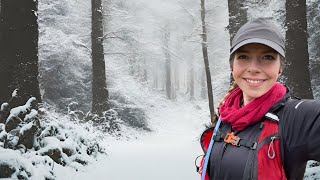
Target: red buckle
(232,139)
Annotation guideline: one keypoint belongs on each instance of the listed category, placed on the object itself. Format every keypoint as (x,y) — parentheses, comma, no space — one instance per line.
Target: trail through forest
(168,152)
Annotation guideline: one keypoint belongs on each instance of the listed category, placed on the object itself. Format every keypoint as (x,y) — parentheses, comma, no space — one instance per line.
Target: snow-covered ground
(168,152)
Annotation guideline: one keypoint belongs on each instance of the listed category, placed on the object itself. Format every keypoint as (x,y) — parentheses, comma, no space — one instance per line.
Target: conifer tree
(19,51)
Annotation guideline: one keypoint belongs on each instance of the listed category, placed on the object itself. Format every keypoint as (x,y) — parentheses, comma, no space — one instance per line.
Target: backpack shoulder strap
(273,116)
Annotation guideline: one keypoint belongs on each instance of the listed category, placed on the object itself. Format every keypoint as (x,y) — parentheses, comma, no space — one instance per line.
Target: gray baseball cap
(260,31)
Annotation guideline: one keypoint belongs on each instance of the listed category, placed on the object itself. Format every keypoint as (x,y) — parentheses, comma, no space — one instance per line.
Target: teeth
(254,81)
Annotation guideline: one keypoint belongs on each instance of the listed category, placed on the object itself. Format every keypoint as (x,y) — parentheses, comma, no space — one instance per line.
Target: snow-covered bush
(33,142)
(122,112)
(108,122)
(129,112)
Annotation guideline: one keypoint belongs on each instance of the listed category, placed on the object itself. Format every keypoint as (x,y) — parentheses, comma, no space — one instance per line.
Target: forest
(101,65)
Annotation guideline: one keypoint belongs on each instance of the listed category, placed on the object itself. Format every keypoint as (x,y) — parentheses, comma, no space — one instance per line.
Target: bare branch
(82,45)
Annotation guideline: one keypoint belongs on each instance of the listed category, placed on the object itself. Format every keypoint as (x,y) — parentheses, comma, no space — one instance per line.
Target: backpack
(265,149)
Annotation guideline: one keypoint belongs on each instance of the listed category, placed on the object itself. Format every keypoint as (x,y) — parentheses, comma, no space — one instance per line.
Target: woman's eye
(268,57)
(243,57)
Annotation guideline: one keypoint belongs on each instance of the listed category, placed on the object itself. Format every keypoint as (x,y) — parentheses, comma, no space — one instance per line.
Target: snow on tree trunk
(297,56)
(99,86)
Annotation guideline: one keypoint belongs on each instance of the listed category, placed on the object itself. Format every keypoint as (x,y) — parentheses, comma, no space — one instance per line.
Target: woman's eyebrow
(270,51)
(241,51)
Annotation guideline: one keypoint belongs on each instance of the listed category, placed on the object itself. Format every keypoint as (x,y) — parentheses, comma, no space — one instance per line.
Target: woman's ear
(280,72)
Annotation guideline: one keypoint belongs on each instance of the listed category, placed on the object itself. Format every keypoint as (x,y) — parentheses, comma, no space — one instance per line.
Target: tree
(99,87)
(297,70)
(166,40)
(206,58)
(19,51)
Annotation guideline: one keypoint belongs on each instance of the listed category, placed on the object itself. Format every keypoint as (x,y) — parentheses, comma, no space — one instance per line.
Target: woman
(264,134)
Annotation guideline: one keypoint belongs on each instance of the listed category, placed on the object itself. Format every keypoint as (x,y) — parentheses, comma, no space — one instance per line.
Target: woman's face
(256,67)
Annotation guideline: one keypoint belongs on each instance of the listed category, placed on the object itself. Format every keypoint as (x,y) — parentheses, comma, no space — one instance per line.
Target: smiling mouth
(254,82)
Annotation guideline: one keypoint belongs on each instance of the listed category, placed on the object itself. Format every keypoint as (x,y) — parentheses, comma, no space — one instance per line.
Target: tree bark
(100,101)
(167,62)
(206,58)
(19,51)
(297,70)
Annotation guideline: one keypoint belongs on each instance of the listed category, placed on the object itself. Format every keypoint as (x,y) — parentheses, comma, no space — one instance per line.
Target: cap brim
(271,44)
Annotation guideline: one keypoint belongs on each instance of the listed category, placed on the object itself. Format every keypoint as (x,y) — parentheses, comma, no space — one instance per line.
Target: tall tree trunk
(99,87)
(167,62)
(297,71)
(19,51)
(206,59)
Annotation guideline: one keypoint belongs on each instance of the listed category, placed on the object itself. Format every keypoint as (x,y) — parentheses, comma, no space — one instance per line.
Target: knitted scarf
(239,118)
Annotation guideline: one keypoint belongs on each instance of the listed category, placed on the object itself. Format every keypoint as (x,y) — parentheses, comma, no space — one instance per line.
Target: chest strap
(231,138)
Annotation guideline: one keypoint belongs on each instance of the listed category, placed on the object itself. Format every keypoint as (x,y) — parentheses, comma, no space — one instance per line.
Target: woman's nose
(254,65)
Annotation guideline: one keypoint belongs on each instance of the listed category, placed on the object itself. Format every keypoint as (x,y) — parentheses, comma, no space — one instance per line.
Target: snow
(3,106)
(22,109)
(31,115)
(14,93)
(14,159)
(166,153)
(60,144)
(26,127)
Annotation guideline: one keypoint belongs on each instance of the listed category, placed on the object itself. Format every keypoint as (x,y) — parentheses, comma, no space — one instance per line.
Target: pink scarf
(240,118)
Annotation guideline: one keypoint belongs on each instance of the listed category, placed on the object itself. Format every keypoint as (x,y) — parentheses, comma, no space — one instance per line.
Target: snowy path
(167,153)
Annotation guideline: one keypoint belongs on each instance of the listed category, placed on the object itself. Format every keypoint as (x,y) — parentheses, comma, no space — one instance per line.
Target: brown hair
(216,113)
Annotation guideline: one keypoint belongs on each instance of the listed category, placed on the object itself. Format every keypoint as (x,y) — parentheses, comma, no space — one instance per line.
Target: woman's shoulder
(299,124)
(296,110)
(302,105)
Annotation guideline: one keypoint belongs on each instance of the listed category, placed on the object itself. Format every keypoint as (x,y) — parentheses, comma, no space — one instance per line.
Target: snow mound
(35,142)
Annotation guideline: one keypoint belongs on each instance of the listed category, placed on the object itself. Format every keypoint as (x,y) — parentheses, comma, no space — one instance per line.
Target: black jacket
(300,133)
